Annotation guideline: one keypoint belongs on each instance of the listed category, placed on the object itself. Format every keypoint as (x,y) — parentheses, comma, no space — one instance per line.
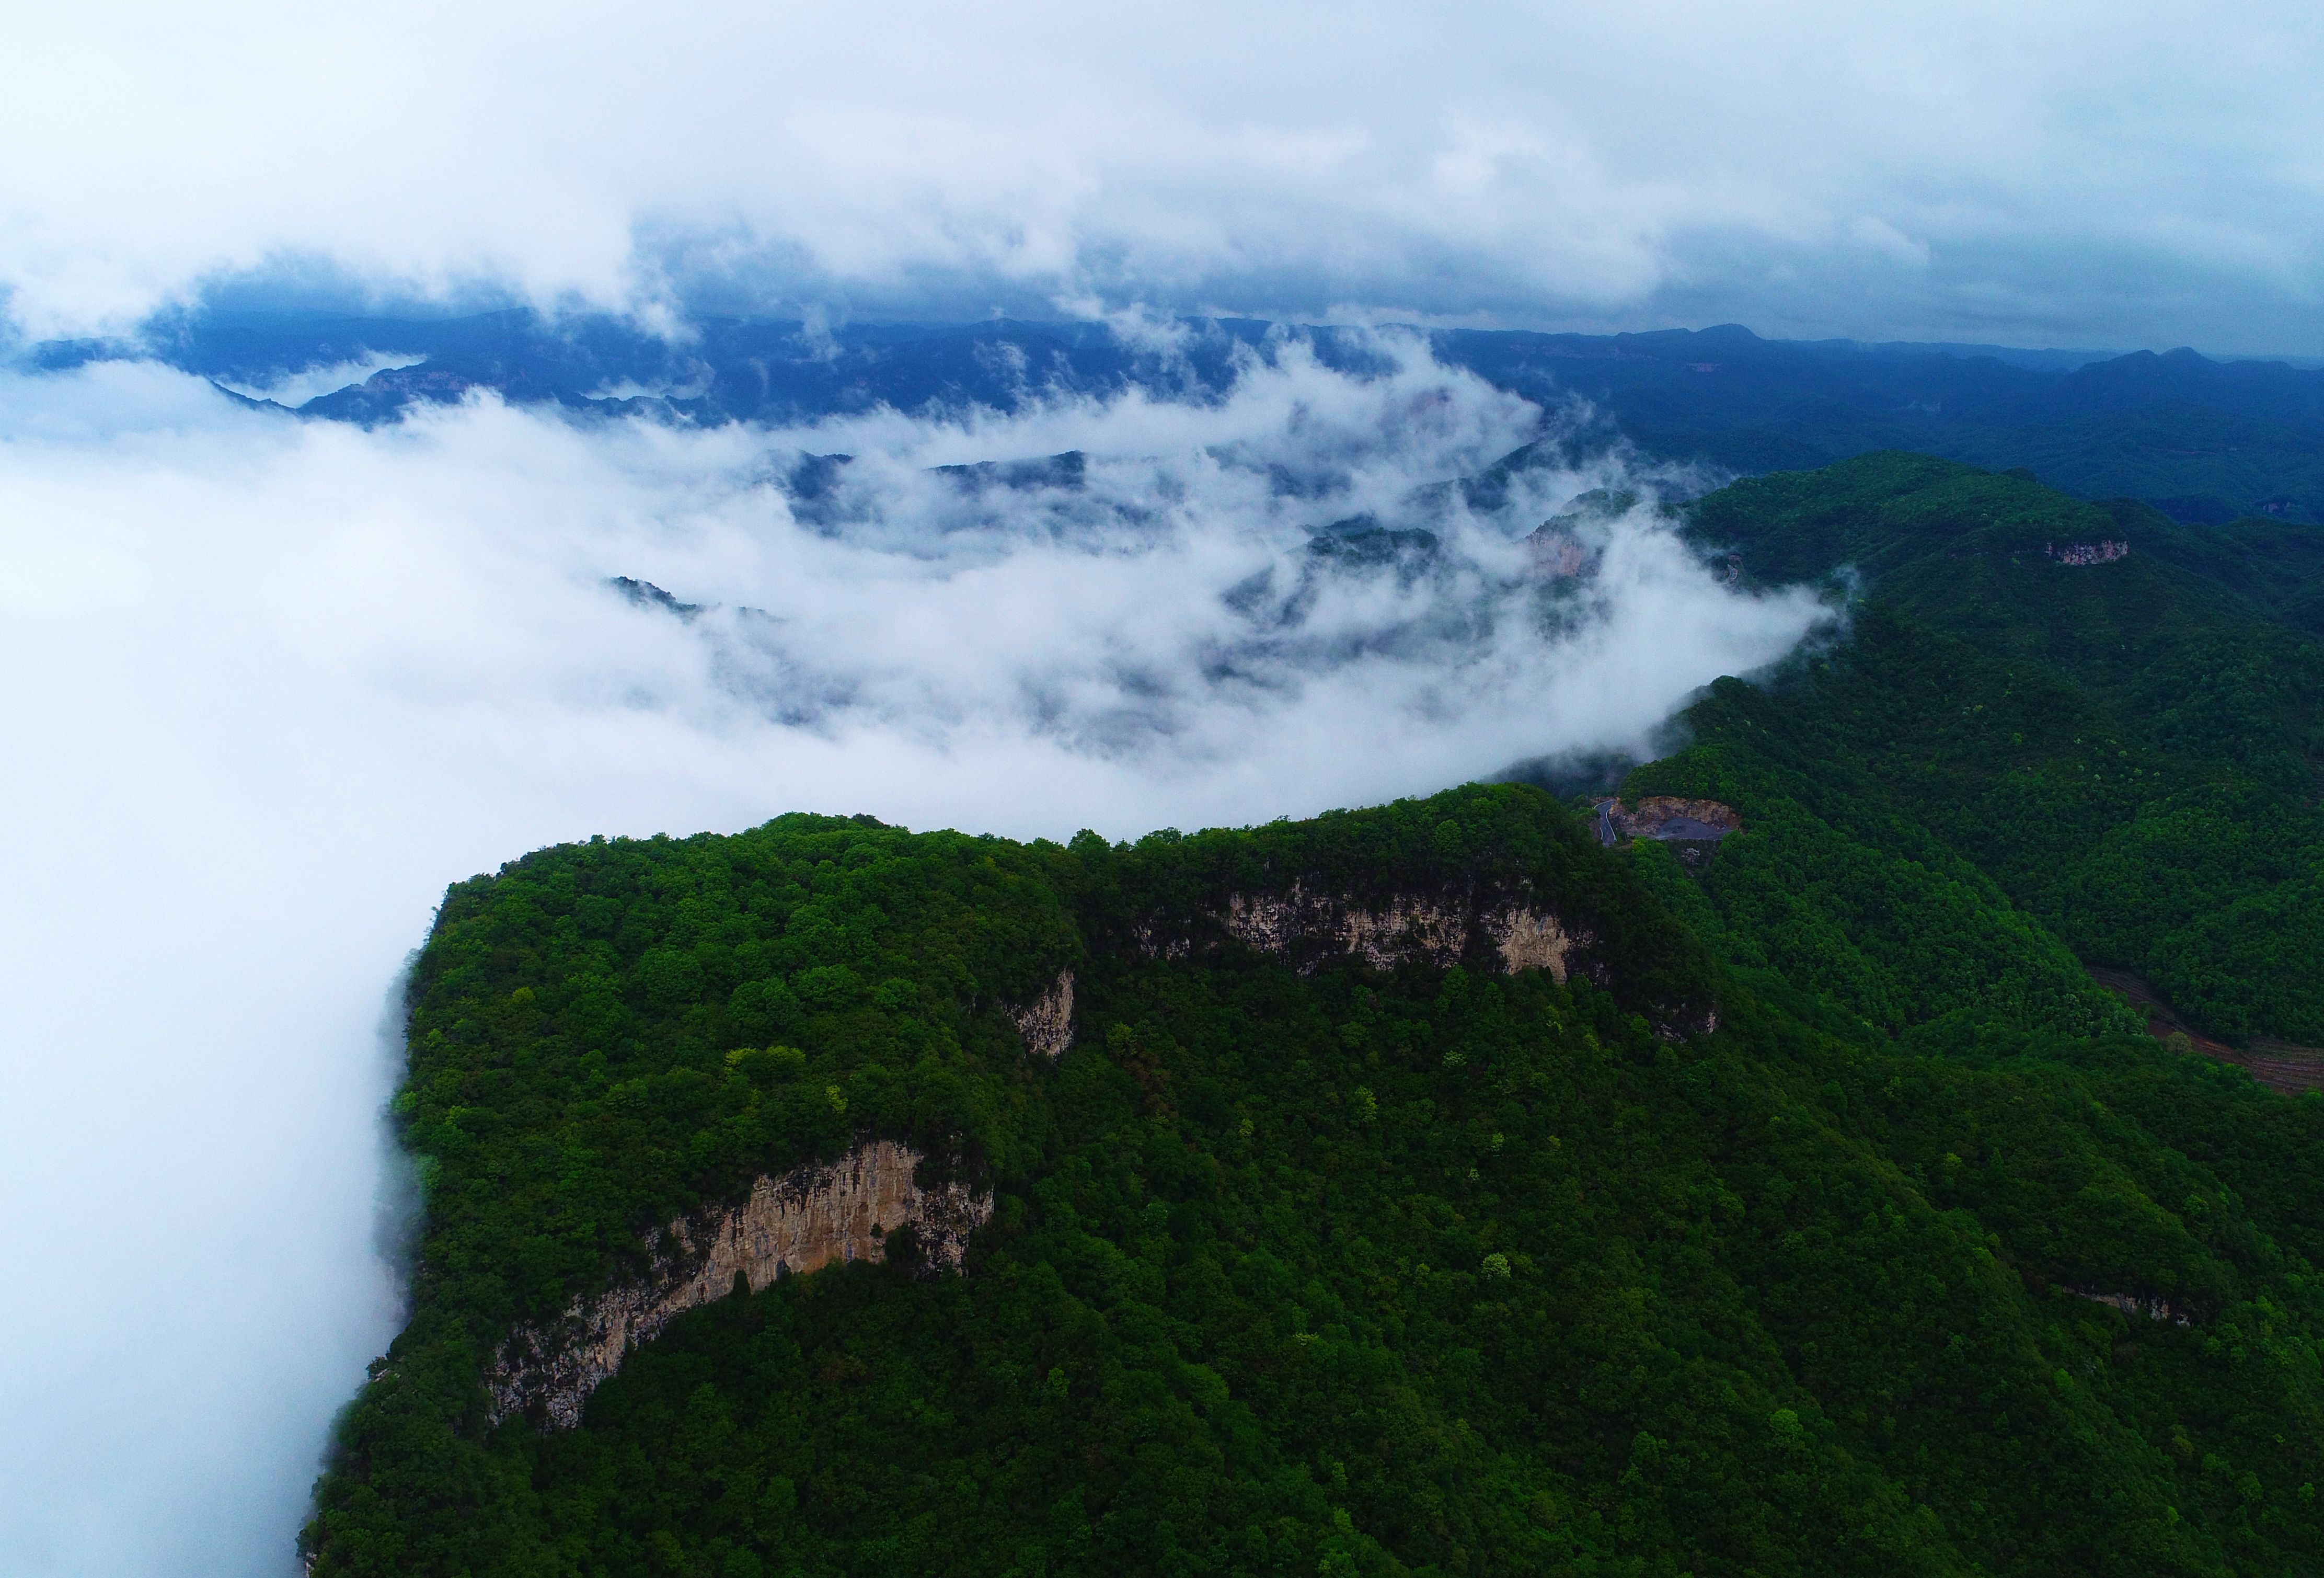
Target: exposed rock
(1156,941)
(1528,941)
(1506,926)
(808,1218)
(1668,819)
(1556,554)
(1047,1024)
(2087,553)
(2153,1309)
(1314,927)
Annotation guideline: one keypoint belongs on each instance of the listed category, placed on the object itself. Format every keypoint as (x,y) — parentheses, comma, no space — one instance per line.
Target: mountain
(2096,713)
(2203,441)
(1436,1188)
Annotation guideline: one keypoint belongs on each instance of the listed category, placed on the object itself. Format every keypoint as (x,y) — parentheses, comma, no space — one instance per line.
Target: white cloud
(2064,165)
(274,683)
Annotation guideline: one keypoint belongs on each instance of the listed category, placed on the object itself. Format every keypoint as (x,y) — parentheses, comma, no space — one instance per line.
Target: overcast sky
(2099,175)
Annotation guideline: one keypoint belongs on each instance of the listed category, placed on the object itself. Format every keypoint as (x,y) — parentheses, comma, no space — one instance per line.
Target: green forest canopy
(1452,1270)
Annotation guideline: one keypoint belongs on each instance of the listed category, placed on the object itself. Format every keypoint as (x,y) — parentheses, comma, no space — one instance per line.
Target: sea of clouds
(273,683)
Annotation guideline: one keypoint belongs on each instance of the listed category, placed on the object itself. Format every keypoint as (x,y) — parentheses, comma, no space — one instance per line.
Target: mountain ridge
(1723,397)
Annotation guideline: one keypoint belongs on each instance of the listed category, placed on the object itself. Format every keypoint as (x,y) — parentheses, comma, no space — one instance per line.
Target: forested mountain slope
(1417,1194)
(2128,748)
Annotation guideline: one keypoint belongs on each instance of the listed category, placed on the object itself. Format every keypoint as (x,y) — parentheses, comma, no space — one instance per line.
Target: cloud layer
(2077,173)
(276,683)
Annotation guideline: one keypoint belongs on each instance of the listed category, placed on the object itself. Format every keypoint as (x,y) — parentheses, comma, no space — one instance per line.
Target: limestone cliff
(1320,926)
(1496,929)
(806,1218)
(2152,1308)
(1047,1022)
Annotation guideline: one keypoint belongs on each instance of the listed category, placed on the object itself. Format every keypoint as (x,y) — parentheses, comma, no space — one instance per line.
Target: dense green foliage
(2128,751)
(571,1018)
(1303,1266)
(1349,1271)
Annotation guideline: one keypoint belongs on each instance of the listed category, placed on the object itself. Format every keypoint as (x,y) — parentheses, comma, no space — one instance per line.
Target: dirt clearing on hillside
(2281,1065)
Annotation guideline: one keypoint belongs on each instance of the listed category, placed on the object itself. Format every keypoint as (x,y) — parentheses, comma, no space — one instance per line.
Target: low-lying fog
(274,684)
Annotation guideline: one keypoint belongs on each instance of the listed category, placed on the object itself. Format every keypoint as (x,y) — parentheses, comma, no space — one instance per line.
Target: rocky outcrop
(1563,917)
(1527,940)
(1674,819)
(1047,1022)
(1554,554)
(2153,1309)
(1314,928)
(806,1218)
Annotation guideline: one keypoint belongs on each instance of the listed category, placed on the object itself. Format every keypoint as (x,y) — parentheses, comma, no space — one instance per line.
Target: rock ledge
(806,1218)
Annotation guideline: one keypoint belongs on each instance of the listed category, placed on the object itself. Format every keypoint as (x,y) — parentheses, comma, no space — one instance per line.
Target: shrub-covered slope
(1304,1264)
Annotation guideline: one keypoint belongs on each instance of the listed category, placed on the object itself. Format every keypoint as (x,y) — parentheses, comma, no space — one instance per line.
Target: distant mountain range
(2203,441)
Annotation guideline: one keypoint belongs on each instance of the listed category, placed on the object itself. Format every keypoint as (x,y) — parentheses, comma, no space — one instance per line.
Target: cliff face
(1486,929)
(1315,927)
(1047,1023)
(2139,1304)
(806,1218)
